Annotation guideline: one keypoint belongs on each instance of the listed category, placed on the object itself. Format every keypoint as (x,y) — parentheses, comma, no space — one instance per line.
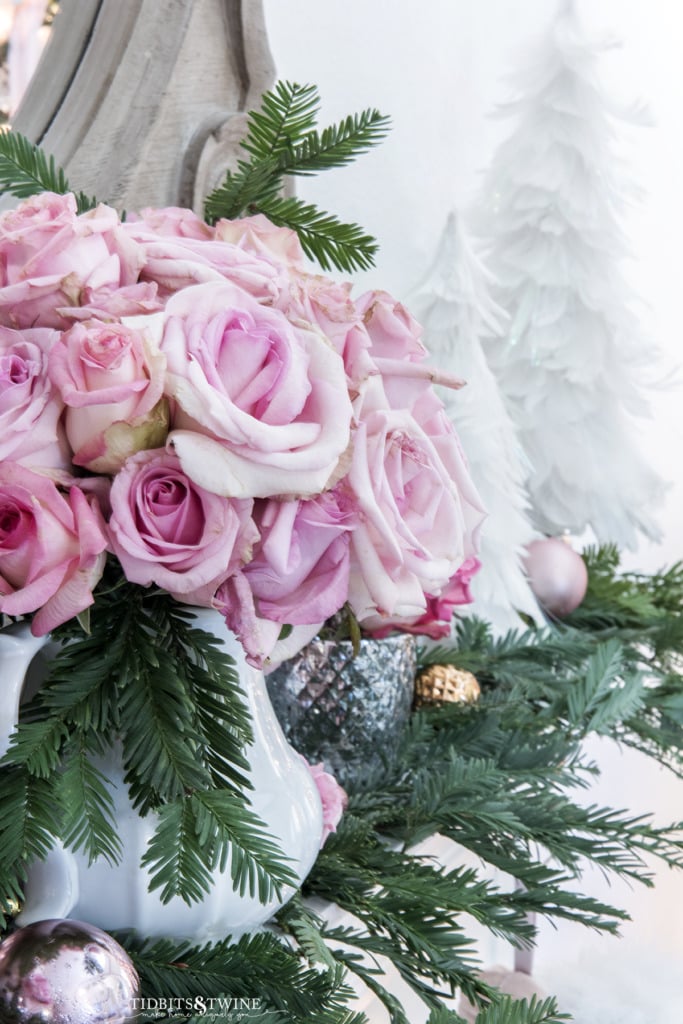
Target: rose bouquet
(230,427)
(192,417)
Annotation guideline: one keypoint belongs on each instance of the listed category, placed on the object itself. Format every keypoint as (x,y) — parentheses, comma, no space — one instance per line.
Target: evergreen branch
(282,140)
(161,761)
(25,171)
(209,831)
(513,1011)
(323,237)
(369,975)
(243,190)
(221,714)
(37,746)
(262,961)
(600,700)
(87,807)
(288,113)
(178,865)
(235,835)
(28,824)
(336,146)
(444,1016)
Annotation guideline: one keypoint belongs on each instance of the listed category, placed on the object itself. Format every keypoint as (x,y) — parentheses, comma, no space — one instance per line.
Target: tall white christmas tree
(574,359)
(456,310)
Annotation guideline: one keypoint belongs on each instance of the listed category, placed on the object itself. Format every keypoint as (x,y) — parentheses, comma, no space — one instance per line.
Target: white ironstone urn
(284,797)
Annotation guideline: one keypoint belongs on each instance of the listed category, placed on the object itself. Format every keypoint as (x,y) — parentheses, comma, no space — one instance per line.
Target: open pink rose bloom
(229,426)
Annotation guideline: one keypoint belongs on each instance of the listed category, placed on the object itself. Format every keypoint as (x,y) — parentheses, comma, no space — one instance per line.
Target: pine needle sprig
(283,141)
(521,1011)
(86,805)
(287,115)
(28,823)
(323,236)
(258,964)
(336,146)
(25,170)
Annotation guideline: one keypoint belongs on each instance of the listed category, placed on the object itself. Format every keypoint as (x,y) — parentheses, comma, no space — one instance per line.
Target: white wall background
(437,68)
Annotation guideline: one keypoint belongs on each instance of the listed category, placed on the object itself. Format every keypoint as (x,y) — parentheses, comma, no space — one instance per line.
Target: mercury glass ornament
(65,972)
(557,575)
(347,710)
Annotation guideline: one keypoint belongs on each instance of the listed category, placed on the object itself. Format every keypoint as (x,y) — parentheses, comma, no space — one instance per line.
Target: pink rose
(333,798)
(416,525)
(30,407)
(172,222)
(52,548)
(54,259)
(177,261)
(329,306)
(164,529)
(262,407)
(259,637)
(258,234)
(130,301)
(394,331)
(397,353)
(300,570)
(299,573)
(437,620)
(111,378)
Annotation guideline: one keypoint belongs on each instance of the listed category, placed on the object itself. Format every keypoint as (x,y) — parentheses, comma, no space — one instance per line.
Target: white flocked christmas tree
(574,358)
(456,310)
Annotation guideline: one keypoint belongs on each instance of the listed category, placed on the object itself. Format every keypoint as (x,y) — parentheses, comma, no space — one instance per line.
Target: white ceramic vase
(284,796)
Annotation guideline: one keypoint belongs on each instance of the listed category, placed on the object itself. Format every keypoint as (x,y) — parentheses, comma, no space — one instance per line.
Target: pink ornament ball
(557,575)
(65,972)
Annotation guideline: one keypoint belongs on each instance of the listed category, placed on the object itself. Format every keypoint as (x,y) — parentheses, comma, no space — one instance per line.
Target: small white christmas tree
(573,362)
(456,310)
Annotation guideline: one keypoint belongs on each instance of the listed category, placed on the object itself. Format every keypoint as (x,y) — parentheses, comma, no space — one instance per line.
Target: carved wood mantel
(141,101)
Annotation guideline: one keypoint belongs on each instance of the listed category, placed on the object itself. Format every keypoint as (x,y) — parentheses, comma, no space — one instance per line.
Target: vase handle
(51,887)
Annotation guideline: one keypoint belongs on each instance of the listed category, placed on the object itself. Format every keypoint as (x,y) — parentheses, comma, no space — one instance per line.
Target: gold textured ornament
(12,907)
(446,684)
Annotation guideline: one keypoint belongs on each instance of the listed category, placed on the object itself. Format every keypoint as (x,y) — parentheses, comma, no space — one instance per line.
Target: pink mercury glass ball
(557,575)
(65,972)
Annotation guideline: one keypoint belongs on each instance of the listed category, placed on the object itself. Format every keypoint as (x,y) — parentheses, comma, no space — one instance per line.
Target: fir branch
(177,863)
(221,714)
(288,113)
(323,237)
(161,761)
(369,974)
(257,866)
(37,746)
(336,146)
(258,965)
(444,1016)
(25,170)
(28,823)
(513,1011)
(208,831)
(243,190)
(87,807)
(601,700)
(282,140)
